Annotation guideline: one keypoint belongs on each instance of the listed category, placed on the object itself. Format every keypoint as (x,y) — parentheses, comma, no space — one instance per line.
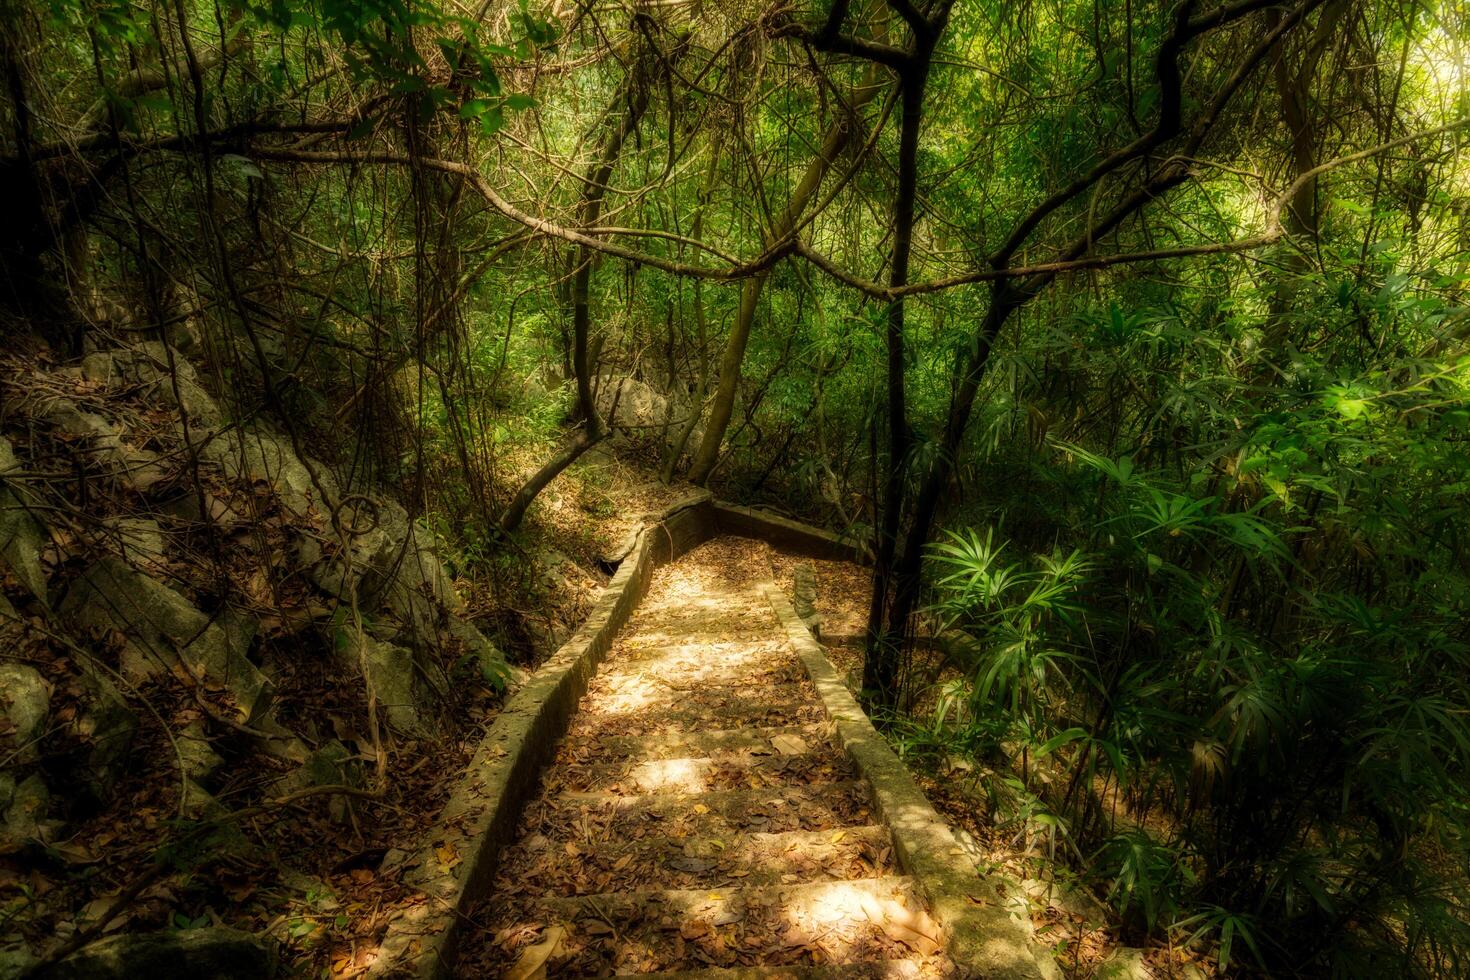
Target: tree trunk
(833,143)
(884,640)
(696,404)
(634,93)
(1004,301)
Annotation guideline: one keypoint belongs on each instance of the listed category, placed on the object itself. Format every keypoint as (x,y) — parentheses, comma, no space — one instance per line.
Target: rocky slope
(225,665)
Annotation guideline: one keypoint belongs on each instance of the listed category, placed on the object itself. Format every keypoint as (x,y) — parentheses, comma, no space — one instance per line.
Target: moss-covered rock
(163,628)
(25,700)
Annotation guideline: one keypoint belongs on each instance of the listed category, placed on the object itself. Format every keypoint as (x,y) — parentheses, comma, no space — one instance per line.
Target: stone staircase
(698,820)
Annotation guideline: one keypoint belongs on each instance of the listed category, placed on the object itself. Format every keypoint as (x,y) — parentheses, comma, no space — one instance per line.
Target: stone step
(686,668)
(846,922)
(711,647)
(680,680)
(905,969)
(676,745)
(541,867)
(670,632)
(591,817)
(737,769)
(753,709)
(617,698)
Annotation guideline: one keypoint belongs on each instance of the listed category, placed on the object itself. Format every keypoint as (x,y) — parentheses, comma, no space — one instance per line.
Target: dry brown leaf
(788,744)
(912,928)
(531,964)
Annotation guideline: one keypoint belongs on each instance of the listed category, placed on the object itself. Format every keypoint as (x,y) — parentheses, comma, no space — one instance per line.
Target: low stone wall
(458,860)
(982,936)
(789,535)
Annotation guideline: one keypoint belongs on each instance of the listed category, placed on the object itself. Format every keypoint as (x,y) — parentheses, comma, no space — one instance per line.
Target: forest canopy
(1129,338)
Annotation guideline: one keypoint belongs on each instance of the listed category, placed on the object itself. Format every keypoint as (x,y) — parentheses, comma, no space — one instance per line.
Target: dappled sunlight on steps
(697,818)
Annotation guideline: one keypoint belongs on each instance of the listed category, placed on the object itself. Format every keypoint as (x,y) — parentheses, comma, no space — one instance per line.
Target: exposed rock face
(137,469)
(247,455)
(24,807)
(139,540)
(146,366)
(25,700)
(108,725)
(21,534)
(191,954)
(393,677)
(163,628)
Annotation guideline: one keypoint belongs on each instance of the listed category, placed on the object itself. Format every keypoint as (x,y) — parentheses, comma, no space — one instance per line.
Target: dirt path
(697,817)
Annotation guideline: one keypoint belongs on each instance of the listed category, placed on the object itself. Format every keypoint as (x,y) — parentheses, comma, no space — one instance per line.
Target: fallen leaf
(532,961)
(902,924)
(788,744)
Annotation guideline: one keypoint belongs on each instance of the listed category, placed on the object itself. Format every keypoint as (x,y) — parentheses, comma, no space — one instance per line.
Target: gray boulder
(489,660)
(107,725)
(25,805)
(256,454)
(212,953)
(390,560)
(334,764)
(1124,963)
(136,469)
(418,587)
(377,535)
(198,757)
(393,563)
(139,540)
(146,366)
(21,534)
(642,411)
(393,676)
(327,766)
(15,956)
(25,700)
(163,628)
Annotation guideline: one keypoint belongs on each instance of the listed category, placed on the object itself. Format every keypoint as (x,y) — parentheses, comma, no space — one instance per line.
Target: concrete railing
(457,861)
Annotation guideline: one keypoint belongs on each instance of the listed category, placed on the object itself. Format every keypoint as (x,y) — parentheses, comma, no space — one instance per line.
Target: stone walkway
(697,821)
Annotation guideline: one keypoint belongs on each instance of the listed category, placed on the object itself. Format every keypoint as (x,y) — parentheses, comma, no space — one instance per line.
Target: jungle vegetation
(1130,334)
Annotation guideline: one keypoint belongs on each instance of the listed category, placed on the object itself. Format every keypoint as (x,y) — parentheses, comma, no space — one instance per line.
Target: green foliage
(1207,530)
(1228,683)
